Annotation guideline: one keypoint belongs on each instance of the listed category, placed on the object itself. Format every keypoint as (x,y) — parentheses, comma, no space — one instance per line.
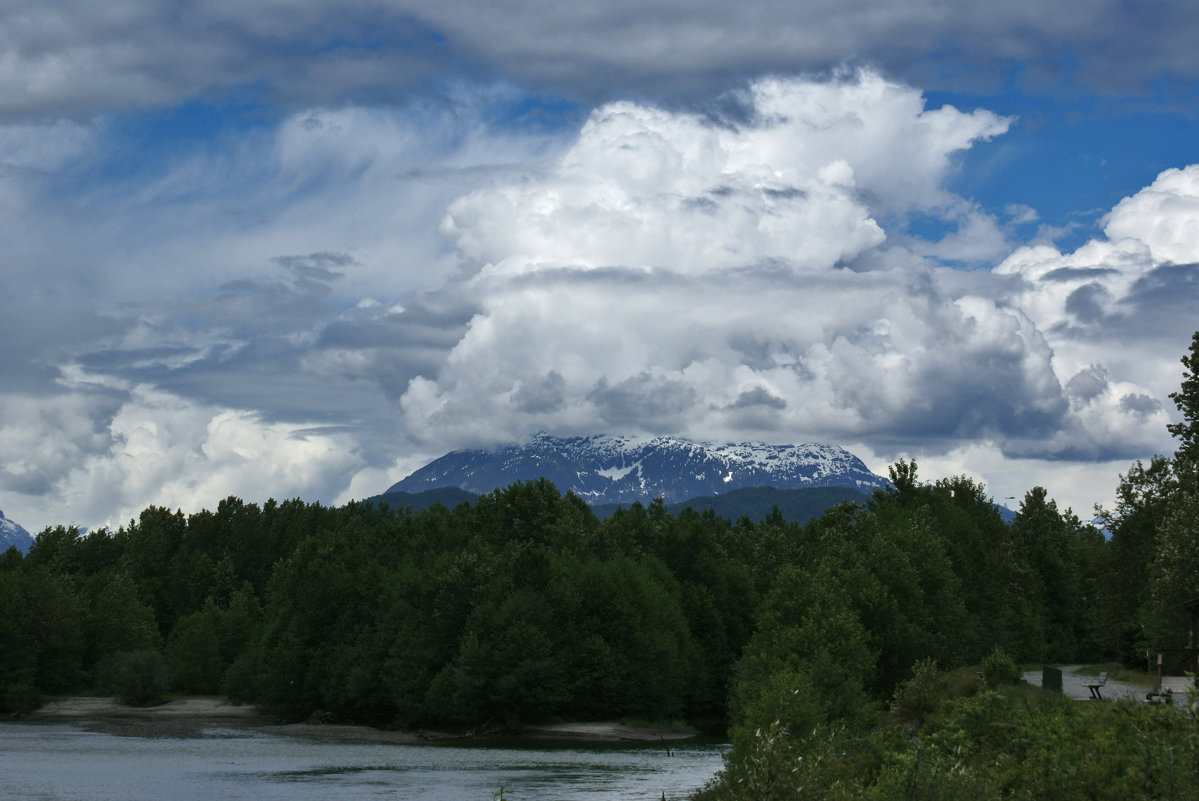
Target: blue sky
(298,249)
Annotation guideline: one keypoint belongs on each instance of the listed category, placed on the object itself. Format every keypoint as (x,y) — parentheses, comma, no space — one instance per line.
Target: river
(63,762)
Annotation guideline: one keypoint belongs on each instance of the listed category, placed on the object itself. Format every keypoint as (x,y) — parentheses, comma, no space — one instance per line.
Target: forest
(525,607)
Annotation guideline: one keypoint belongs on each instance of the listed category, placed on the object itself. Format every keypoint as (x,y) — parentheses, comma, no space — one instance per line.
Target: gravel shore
(205,717)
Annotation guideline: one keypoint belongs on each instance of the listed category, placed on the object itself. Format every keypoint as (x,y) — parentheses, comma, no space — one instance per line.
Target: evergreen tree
(1143,499)
(1174,573)
(1187,401)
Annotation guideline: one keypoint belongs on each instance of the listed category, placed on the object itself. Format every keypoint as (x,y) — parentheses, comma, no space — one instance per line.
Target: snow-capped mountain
(613,469)
(11,534)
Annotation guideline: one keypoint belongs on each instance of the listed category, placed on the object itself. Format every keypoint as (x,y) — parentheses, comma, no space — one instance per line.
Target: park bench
(1094,686)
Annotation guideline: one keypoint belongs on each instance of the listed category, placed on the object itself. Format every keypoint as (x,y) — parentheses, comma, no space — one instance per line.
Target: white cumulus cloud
(672,274)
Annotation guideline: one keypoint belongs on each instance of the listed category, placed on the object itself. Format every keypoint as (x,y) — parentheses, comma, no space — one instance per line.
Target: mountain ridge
(610,469)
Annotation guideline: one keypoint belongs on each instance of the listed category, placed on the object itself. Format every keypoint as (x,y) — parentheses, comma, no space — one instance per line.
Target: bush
(999,670)
(137,678)
(1018,743)
(919,696)
(785,700)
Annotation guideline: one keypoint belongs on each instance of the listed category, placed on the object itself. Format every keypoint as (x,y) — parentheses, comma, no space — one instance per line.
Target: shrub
(1000,670)
(919,696)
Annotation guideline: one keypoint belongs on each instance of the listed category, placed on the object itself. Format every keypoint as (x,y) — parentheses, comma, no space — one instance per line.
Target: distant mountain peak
(12,534)
(618,469)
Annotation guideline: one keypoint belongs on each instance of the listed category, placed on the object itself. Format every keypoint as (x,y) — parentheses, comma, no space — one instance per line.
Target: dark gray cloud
(73,57)
(758,397)
(303,291)
(292,358)
(35,339)
(317,268)
(1157,306)
(1087,303)
(541,396)
(643,402)
(756,410)
(134,361)
(1088,383)
(971,393)
(1140,404)
(757,351)
(685,46)
(1162,303)
(1076,274)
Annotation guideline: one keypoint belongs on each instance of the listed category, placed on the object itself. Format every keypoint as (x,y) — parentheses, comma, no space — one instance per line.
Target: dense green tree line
(525,606)
(521,606)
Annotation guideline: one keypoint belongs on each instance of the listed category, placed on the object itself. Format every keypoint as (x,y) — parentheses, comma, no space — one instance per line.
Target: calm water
(40,762)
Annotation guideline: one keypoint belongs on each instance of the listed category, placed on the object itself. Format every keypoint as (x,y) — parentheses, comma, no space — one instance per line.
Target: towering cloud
(675,273)
(671,273)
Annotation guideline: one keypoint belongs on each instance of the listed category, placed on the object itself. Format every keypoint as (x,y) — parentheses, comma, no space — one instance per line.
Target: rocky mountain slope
(613,469)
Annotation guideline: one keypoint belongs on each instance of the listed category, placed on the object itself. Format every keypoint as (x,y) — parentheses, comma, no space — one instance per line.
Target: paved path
(1075,686)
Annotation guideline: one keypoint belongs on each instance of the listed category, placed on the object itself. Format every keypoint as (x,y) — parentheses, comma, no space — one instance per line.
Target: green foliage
(1000,670)
(1187,401)
(118,621)
(525,606)
(903,476)
(810,647)
(1174,572)
(1011,744)
(1052,544)
(1143,498)
(18,649)
(193,653)
(919,696)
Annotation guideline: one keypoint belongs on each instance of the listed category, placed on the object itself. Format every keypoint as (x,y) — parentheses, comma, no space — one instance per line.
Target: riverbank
(200,717)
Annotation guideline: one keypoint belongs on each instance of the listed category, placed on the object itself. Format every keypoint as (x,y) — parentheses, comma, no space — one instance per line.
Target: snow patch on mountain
(615,473)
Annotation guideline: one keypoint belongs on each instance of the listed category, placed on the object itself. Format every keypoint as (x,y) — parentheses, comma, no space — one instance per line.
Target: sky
(298,249)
